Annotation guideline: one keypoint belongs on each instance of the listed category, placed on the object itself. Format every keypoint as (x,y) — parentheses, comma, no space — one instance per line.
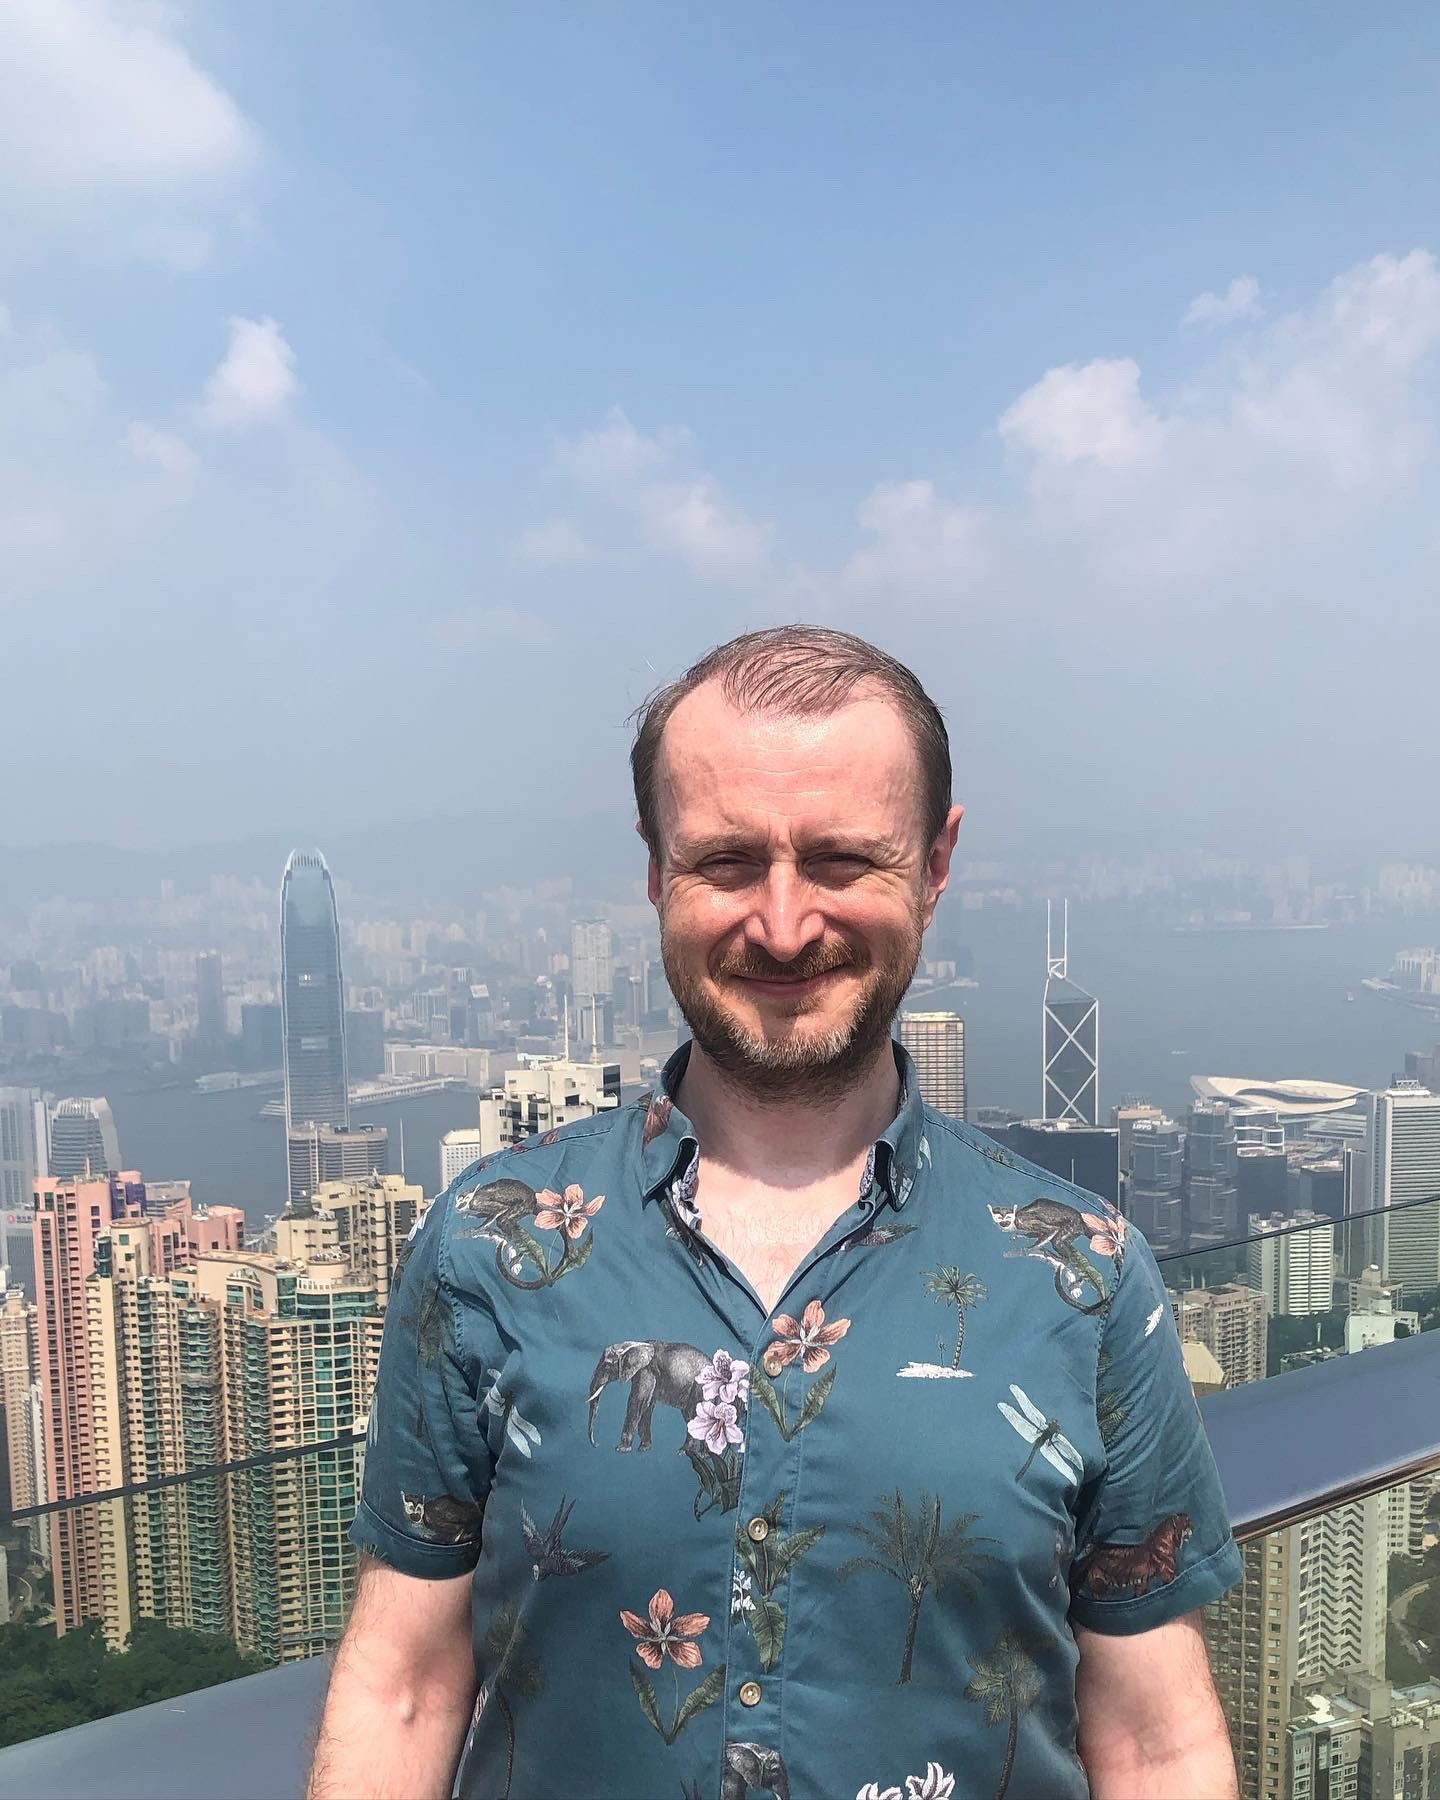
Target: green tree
(50,1681)
(921,1552)
(959,1291)
(1006,1684)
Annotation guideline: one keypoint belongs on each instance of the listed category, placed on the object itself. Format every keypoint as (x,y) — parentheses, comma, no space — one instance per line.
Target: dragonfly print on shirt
(1044,1436)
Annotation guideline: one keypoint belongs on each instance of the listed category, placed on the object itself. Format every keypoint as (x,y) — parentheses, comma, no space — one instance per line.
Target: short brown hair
(803,671)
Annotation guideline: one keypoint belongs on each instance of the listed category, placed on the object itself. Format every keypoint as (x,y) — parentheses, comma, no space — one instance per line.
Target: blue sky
(390,395)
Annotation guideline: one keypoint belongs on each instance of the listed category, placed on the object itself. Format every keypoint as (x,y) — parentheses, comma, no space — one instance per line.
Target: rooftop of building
(1292,1097)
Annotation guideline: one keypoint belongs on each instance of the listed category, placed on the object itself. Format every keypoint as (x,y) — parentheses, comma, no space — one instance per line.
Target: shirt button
(773,1362)
(750,1693)
(759,1530)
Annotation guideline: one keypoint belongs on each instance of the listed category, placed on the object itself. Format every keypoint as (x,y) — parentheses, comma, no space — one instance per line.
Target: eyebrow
(828,843)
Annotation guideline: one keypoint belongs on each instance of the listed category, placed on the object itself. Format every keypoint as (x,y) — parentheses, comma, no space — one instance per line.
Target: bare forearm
(1201,1770)
(380,1741)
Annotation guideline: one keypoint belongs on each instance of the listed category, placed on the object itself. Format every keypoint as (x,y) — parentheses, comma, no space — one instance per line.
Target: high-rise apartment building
(936,1041)
(1231,1322)
(155,1383)
(312,990)
(24,1482)
(363,1223)
(316,1154)
(1070,1034)
(83,1139)
(1294,1270)
(209,1000)
(1312,1603)
(1403,1163)
(299,1350)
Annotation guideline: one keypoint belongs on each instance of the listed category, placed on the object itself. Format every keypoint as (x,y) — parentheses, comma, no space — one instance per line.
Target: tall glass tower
(312,995)
(1071,1033)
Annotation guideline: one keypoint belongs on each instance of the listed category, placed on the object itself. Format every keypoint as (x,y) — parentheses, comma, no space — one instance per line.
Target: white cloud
(1241,300)
(918,542)
(98,96)
(166,449)
(1091,412)
(645,484)
(255,379)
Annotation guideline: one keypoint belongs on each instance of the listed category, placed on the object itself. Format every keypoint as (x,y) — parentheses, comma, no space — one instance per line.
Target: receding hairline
(798,671)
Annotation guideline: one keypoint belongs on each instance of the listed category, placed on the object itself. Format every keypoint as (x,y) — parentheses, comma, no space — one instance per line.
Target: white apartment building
(1403,1158)
(1294,1270)
(458,1149)
(936,1040)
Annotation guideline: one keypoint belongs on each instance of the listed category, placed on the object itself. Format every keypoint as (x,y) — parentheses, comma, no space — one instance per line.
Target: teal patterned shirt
(835,1549)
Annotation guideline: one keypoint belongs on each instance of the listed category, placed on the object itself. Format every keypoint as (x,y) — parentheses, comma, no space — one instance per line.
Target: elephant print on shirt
(753,1769)
(659,1373)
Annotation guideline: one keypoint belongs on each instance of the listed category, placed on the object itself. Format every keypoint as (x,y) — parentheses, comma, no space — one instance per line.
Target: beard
(802,1065)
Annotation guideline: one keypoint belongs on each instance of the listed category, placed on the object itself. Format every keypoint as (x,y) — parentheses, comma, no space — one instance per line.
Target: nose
(785,919)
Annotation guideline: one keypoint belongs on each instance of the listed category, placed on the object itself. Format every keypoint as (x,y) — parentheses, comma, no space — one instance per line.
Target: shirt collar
(669,1140)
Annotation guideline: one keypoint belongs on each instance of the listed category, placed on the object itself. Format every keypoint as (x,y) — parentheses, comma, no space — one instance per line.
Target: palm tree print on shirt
(959,1290)
(1006,1683)
(765,1564)
(806,1340)
(514,1676)
(665,1635)
(922,1553)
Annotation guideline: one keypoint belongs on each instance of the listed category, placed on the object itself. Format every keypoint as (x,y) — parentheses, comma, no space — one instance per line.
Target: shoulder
(570,1153)
(958,1149)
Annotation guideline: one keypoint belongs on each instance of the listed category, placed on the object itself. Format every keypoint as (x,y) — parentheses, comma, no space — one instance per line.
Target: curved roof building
(1289,1098)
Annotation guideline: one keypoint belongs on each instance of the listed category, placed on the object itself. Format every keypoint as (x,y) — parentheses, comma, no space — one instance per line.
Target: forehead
(721,766)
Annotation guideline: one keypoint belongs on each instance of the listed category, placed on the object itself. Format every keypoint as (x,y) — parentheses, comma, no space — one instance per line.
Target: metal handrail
(1239,1243)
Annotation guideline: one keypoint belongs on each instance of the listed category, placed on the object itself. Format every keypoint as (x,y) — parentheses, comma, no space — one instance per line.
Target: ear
(937,863)
(634,1358)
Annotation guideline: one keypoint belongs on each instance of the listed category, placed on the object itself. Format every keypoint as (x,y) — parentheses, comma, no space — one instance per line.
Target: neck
(792,1142)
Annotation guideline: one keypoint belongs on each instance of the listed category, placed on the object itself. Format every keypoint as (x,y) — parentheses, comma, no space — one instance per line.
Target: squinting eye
(839,867)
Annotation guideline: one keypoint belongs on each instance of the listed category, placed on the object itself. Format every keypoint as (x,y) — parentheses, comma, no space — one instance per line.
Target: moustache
(758,965)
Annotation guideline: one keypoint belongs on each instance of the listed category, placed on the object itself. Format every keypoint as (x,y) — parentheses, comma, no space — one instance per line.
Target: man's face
(793,885)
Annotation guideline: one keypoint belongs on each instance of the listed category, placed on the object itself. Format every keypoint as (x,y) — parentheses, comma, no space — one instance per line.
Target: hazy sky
(389,396)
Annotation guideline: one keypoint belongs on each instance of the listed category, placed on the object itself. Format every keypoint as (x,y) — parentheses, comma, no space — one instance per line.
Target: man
(782,1436)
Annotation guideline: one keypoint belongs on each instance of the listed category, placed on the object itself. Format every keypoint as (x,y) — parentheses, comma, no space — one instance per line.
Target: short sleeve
(427,1462)
(1153,1537)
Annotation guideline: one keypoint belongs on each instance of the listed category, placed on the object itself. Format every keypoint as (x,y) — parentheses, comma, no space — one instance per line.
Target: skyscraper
(312,993)
(1070,1076)
(936,1040)
(1156,1163)
(1212,1195)
(83,1140)
(1088,1155)
(592,969)
(1403,1153)
(1294,1270)
(209,1000)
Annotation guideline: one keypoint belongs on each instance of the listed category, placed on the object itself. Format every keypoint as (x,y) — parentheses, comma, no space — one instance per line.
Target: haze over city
(384,411)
